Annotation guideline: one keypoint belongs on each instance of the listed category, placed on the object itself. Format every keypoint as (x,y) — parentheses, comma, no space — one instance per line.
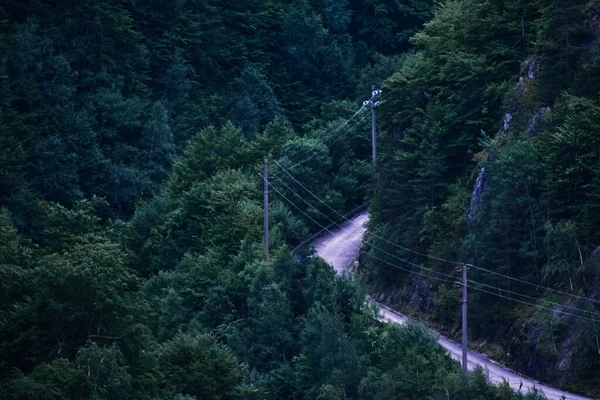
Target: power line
(535,299)
(371,244)
(432,277)
(433,257)
(330,134)
(315,235)
(358,248)
(315,152)
(370,233)
(295,206)
(408,270)
(465,284)
(534,284)
(326,136)
(535,305)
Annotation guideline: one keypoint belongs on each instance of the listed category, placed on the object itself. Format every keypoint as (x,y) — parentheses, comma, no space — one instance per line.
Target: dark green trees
(498,95)
(386,26)
(100,98)
(131,132)
(253,103)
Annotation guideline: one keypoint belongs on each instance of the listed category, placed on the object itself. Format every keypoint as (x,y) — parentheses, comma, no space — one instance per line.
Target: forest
(490,157)
(132,262)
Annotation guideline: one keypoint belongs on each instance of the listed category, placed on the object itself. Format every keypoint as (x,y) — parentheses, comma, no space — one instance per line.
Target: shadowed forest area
(131,133)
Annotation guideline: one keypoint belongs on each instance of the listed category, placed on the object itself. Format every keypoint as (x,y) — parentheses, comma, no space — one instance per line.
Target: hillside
(132,134)
(489,156)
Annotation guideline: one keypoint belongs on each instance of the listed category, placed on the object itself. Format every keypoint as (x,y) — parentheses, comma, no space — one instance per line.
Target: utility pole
(266,182)
(464,319)
(373,127)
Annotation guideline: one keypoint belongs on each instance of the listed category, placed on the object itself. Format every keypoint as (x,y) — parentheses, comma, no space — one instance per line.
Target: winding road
(339,248)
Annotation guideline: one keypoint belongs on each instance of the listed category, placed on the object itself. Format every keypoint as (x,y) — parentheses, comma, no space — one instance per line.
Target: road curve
(341,247)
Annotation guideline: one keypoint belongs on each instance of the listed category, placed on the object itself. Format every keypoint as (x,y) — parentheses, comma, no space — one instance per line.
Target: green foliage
(199,366)
(275,136)
(448,306)
(569,152)
(211,150)
(563,260)
(253,103)
(401,361)
(221,212)
(70,298)
(386,26)
(489,155)
(294,229)
(100,98)
(268,342)
(132,263)
(16,259)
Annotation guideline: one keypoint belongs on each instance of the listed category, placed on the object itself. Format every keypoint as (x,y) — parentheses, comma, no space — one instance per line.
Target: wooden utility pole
(373,127)
(464,319)
(266,183)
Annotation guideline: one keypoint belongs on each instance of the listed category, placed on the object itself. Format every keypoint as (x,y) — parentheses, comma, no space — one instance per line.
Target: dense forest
(131,263)
(131,134)
(490,156)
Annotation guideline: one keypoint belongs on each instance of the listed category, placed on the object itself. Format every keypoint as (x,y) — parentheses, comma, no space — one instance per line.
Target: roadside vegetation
(131,134)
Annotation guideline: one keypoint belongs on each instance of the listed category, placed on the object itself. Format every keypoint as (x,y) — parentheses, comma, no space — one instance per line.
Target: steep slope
(489,156)
(342,247)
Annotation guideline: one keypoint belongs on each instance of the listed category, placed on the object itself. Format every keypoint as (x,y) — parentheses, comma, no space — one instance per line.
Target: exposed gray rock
(476,196)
